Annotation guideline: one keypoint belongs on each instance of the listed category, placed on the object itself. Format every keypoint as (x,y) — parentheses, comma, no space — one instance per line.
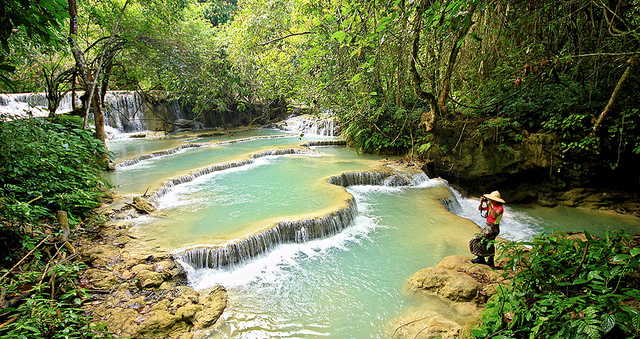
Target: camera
(484,199)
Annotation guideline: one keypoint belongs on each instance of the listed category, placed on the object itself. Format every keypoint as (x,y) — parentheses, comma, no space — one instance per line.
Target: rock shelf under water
(167,185)
(297,231)
(190,145)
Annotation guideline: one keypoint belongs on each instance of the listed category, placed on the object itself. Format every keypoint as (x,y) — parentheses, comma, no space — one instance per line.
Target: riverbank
(528,168)
(142,294)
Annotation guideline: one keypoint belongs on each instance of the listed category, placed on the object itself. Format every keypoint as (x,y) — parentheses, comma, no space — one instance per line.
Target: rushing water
(347,285)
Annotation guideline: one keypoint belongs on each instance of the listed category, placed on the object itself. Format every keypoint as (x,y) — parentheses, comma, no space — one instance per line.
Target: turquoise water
(150,174)
(350,285)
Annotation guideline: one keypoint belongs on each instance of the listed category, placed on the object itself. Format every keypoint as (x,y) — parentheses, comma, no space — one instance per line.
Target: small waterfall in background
(21,105)
(515,225)
(125,111)
(311,125)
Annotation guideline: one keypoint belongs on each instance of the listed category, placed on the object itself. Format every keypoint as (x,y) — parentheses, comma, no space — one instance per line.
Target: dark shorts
(481,245)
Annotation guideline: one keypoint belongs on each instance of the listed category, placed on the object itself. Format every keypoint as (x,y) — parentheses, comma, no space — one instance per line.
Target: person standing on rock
(482,244)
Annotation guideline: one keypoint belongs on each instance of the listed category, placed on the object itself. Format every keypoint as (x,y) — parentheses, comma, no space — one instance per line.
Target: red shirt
(499,210)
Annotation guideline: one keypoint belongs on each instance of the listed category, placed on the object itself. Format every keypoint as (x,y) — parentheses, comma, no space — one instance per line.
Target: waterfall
(161,153)
(264,241)
(20,105)
(323,143)
(167,185)
(297,231)
(308,124)
(124,111)
(377,178)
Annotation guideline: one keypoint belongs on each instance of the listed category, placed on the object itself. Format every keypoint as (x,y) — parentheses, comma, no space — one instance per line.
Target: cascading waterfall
(124,110)
(190,145)
(159,154)
(322,143)
(167,185)
(262,242)
(377,178)
(22,104)
(297,231)
(311,125)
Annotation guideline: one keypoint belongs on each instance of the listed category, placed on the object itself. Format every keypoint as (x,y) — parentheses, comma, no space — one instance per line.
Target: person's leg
(478,260)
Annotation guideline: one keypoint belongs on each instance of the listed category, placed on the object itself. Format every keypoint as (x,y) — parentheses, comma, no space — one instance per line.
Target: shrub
(46,165)
(568,288)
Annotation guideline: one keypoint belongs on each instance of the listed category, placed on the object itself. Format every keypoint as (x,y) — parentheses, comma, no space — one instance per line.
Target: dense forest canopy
(423,78)
(394,72)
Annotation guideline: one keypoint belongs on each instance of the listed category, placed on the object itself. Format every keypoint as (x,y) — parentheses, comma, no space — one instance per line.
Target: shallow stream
(347,285)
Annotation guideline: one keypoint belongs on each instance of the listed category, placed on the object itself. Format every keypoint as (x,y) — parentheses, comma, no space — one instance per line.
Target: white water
(123,109)
(348,285)
(311,125)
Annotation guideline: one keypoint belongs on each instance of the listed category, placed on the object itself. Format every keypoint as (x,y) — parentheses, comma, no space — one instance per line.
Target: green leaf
(482,332)
(608,322)
(339,36)
(635,251)
(621,257)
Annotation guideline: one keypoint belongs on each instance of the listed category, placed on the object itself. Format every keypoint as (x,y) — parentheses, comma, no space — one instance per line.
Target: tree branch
(284,37)
(630,63)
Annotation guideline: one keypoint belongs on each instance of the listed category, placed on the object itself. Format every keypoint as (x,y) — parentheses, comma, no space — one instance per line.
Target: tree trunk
(428,118)
(86,75)
(446,84)
(630,63)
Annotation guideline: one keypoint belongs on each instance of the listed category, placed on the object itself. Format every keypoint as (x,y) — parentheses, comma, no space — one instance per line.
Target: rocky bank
(528,168)
(142,295)
(462,289)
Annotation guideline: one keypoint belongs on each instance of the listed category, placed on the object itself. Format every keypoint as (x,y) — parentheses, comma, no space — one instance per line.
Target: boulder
(425,324)
(457,279)
(214,301)
(142,205)
(451,284)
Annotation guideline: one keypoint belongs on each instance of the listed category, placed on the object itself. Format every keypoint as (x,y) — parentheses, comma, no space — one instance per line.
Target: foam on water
(281,264)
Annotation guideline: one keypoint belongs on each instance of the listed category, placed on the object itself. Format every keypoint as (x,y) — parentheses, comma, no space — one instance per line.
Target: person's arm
(493,212)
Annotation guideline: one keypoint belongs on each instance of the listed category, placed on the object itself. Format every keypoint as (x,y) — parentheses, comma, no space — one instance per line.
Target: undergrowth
(46,165)
(568,288)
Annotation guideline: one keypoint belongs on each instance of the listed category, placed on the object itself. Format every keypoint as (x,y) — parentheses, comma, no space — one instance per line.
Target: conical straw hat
(495,196)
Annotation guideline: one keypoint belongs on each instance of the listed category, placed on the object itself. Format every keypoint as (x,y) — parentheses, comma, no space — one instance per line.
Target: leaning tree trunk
(630,63)
(428,118)
(455,50)
(86,76)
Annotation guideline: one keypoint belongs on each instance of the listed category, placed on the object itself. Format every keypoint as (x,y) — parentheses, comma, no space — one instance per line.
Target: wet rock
(214,301)
(142,205)
(100,279)
(162,324)
(448,283)
(188,312)
(463,287)
(101,255)
(426,324)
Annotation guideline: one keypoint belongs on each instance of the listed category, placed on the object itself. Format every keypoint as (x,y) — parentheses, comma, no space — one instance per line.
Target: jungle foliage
(568,288)
(398,74)
(46,165)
